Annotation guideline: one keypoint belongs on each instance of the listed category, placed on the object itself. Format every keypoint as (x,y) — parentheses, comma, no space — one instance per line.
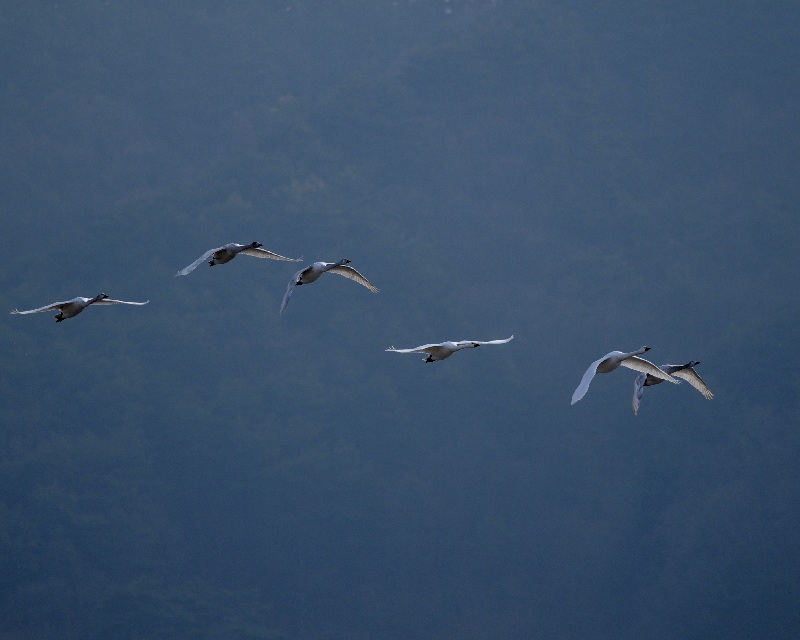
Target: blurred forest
(587,176)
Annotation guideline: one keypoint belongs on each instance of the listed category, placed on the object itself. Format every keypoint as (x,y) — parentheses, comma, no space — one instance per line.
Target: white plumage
(615,359)
(71,308)
(228,252)
(313,272)
(683,371)
(442,350)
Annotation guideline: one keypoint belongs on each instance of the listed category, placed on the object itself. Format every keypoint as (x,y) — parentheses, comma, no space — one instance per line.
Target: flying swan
(614,359)
(228,252)
(683,371)
(313,271)
(71,308)
(444,350)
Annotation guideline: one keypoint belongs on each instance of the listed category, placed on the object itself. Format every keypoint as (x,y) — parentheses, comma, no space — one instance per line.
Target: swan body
(442,350)
(615,359)
(71,308)
(683,371)
(313,272)
(228,252)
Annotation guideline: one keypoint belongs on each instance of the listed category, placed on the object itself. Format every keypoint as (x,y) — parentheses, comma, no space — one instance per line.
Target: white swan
(313,271)
(614,359)
(443,350)
(71,308)
(228,252)
(683,371)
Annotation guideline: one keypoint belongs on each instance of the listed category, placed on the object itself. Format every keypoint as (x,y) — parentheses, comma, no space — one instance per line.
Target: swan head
(255,245)
(476,344)
(101,296)
(345,261)
(645,348)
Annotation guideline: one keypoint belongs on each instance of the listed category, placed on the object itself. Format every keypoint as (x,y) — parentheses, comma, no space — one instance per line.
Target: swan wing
(49,307)
(290,289)
(263,253)
(583,387)
(200,260)
(432,349)
(638,391)
(352,274)
(645,366)
(112,301)
(495,341)
(693,378)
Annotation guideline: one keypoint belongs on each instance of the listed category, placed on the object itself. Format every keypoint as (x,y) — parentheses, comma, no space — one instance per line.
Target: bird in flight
(228,252)
(615,359)
(313,272)
(683,371)
(442,350)
(71,308)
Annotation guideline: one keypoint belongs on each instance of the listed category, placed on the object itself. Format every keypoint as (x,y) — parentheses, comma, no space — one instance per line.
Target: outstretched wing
(495,341)
(49,307)
(196,263)
(638,391)
(290,289)
(112,301)
(645,366)
(432,349)
(583,387)
(693,378)
(263,253)
(352,274)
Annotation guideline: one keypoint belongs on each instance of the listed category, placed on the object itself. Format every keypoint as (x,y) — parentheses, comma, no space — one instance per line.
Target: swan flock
(649,373)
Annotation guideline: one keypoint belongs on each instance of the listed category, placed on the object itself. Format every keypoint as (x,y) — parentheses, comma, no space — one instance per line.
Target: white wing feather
(693,378)
(494,341)
(263,253)
(425,348)
(49,307)
(290,289)
(645,366)
(112,301)
(352,274)
(583,387)
(199,261)
(638,391)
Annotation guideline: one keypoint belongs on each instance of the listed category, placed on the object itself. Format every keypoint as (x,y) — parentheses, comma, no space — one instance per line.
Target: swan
(228,252)
(313,271)
(71,308)
(443,350)
(614,359)
(684,371)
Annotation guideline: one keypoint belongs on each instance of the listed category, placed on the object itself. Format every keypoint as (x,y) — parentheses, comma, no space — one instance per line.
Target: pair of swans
(309,274)
(649,374)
